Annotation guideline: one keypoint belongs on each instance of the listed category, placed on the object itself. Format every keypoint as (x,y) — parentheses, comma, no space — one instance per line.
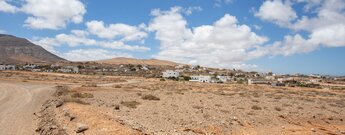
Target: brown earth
(132,105)
(134,61)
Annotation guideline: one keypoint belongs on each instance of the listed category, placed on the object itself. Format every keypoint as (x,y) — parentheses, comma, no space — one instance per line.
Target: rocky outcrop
(14,50)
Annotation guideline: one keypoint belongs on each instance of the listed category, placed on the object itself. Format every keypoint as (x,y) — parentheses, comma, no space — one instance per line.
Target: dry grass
(256,107)
(130,104)
(82,95)
(90,85)
(150,97)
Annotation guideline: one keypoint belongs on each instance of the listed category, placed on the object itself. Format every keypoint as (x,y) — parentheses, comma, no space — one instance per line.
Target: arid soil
(18,103)
(93,105)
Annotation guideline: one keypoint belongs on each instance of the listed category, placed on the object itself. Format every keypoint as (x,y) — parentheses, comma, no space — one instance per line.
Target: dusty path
(18,102)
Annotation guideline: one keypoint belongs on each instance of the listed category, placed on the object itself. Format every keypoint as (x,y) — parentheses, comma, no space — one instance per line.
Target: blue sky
(283,36)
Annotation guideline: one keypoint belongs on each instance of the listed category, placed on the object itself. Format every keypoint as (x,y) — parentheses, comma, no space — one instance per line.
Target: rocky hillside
(14,50)
(134,61)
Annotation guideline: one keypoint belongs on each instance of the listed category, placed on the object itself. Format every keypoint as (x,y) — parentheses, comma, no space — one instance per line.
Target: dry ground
(111,105)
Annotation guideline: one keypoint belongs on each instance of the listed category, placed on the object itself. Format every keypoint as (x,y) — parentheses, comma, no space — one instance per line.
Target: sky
(282,36)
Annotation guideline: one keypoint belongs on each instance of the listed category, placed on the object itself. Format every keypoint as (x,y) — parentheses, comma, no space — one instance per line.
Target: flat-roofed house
(203,79)
(170,73)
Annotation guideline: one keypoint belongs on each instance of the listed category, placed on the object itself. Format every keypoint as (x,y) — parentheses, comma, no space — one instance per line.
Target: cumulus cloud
(326,28)
(213,45)
(6,7)
(118,30)
(48,14)
(276,11)
(92,54)
(81,38)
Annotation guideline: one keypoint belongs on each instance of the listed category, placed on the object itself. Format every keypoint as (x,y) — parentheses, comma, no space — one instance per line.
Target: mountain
(14,50)
(133,61)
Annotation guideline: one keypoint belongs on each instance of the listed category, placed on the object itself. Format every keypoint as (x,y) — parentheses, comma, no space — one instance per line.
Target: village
(185,73)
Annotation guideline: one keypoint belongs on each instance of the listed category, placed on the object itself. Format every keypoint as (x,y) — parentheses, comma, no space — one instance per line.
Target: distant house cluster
(7,67)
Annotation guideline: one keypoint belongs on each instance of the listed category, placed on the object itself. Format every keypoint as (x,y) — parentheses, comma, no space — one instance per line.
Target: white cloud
(81,38)
(92,54)
(326,28)
(119,30)
(6,7)
(331,36)
(276,11)
(209,45)
(190,10)
(48,14)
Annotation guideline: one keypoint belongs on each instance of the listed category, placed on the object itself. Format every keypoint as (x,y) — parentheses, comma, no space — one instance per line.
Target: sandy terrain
(18,103)
(132,105)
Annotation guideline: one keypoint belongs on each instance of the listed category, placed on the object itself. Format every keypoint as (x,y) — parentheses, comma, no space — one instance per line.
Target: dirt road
(18,102)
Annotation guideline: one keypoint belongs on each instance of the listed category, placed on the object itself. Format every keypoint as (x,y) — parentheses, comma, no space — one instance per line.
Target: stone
(81,128)
(59,103)
(313,129)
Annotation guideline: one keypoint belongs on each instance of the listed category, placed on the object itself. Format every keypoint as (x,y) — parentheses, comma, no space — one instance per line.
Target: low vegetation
(150,97)
(130,104)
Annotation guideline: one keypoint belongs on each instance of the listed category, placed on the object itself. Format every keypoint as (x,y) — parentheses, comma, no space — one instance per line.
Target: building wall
(168,74)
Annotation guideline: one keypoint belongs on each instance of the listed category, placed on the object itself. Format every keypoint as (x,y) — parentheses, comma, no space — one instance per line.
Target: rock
(313,129)
(59,103)
(235,118)
(117,107)
(81,128)
(283,127)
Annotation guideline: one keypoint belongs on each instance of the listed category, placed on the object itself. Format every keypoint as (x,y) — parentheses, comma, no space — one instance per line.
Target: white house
(69,69)
(204,79)
(2,67)
(171,73)
(224,78)
(30,66)
(7,67)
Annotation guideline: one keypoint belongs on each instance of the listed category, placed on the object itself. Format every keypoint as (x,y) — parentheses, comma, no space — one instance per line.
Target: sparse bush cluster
(82,95)
(130,104)
(150,97)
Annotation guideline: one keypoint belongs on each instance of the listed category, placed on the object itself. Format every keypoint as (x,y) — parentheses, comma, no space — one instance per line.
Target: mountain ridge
(15,50)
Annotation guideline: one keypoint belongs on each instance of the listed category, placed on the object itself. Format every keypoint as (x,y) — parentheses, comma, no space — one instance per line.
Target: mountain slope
(133,61)
(14,50)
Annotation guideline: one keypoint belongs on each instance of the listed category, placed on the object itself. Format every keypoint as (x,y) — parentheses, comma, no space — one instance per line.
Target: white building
(204,79)
(171,73)
(7,67)
(223,78)
(270,77)
(2,67)
(69,69)
(30,66)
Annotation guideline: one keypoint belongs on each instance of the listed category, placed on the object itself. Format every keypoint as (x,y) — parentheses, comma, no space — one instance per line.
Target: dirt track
(18,103)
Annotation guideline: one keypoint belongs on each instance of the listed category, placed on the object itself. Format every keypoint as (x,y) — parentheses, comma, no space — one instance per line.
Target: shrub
(277,109)
(255,107)
(130,104)
(162,79)
(90,85)
(82,95)
(117,86)
(150,97)
(61,90)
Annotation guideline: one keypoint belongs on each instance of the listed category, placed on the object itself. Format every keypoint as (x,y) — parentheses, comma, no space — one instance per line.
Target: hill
(133,61)
(14,50)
